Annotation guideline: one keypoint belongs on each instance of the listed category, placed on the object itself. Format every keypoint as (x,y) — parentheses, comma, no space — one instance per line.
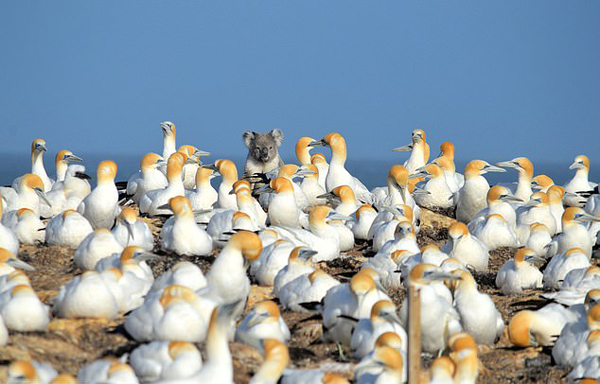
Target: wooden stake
(414,335)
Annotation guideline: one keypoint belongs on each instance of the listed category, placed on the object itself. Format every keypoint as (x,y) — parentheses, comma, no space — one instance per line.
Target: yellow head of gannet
(38,146)
(106,172)
(345,193)
(332,378)
(464,355)
(181,207)
(400,254)
(522,164)
(384,311)
(176,294)
(282,185)
(538,199)
(445,164)
(542,183)
(287,171)
(429,171)
(175,166)
(168,128)
(388,357)
(317,158)
(475,168)
(593,318)
(447,150)
(62,159)
(22,370)
(361,284)
(458,230)
(555,194)
(248,243)
(64,378)
(574,215)
(442,367)
(389,339)
(150,161)
(301,255)
(303,150)
(581,162)
(227,169)
(337,144)
(9,258)
(277,357)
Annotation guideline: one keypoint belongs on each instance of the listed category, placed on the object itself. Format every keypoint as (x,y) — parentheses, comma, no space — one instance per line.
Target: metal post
(414,335)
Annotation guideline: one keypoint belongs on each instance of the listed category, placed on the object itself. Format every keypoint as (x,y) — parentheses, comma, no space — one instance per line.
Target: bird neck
(169,146)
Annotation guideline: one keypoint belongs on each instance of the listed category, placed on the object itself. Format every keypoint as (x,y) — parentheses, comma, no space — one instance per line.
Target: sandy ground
(70,344)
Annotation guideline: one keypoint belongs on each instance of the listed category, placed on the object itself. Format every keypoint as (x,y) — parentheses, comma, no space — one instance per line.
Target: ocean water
(371,172)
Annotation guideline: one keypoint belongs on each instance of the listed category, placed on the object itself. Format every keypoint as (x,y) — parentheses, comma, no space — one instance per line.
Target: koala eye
(271,147)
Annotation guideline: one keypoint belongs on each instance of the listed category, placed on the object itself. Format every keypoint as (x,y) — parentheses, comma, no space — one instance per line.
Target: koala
(263,155)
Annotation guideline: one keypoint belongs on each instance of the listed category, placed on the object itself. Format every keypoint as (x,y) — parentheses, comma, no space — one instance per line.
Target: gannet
(386,339)
(571,346)
(539,238)
(183,236)
(539,328)
(148,178)
(8,239)
(555,203)
(319,161)
(9,261)
(525,169)
(589,366)
(62,163)
(579,182)
(154,201)
(169,138)
(404,238)
(223,223)
(132,259)
(499,201)
(21,371)
(68,229)
(101,206)
(363,219)
(574,233)
(29,193)
(478,313)
(227,276)
(382,231)
(191,165)
(306,288)
(271,260)
(311,188)
(541,183)
(38,147)
(205,195)
(129,230)
(440,195)
(264,321)
(183,273)
(310,376)
(29,229)
(466,248)
(97,245)
(472,196)
(322,236)
(165,360)
(419,151)
(536,210)
(464,356)
(107,370)
(495,233)
(448,169)
(519,273)
(178,314)
(439,318)
(337,174)
(299,263)
(391,366)
(229,175)
(442,371)
(277,357)
(23,311)
(580,286)
(447,153)
(354,300)
(561,264)
(383,318)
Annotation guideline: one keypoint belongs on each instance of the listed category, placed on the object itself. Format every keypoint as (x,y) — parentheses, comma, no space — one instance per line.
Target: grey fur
(263,154)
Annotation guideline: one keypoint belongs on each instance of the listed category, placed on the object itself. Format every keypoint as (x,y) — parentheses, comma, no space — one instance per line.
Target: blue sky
(499,79)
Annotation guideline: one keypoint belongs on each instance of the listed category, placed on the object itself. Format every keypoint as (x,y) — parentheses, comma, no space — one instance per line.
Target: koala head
(263,146)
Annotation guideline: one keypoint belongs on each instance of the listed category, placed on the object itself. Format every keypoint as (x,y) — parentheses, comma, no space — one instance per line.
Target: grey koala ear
(277,136)
(248,136)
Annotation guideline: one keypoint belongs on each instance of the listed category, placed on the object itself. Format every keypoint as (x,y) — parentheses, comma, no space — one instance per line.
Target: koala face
(263,146)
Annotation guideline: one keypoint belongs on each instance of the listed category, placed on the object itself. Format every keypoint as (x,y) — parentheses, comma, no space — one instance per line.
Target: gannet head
(318,158)
(316,275)
(476,168)
(447,150)
(35,183)
(522,164)
(277,357)
(168,128)
(537,199)
(227,169)
(38,146)
(361,284)
(519,329)
(22,372)
(248,243)
(418,135)
(442,367)
(64,378)
(593,318)
(301,254)
(458,230)
(541,183)
(389,339)
(178,348)
(176,294)
(303,150)
(64,156)
(365,209)
(399,175)
(581,162)
(106,171)
(181,207)
(384,311)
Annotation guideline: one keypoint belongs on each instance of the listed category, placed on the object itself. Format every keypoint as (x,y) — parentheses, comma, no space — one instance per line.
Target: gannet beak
(302,172)
(586,217)
(419,175)
(42,196)
(328,196)
(507,164)
(492,168)
(232,192)
(404,148)
(336,216)
(129,229)
(576,165)
(420,191)
(71,157)
(317,143)
(530,258)
(165,127)
(210,166)
(532,203)
(20,264)
(256,318)
(164,206)
(264,189)
(307,253)
(83,176)
(200,153)
(41,147)
(511,198)
(437,275)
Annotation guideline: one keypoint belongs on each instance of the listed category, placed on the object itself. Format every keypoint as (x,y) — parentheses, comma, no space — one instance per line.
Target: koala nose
(265,151)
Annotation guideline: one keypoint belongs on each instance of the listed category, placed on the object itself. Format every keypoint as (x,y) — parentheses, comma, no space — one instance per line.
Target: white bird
(306,288)
(478,313)
(362,221)
(419,151)
(28,192)
(132,259)
(169,138)
(130,231)
(165,360)
(438,317)
(264,321)
(178,314)
(277,357)
(9,262)
(148,178)
(472,195)
(87,295)
(205,195)
(299,263)
(466,248)
(227,277)
(519,273)
(574,232)
(561,264)
(8,239)
(383,318)
(464,355)
(191,166)
(541,183)
(590,365)
(272,259)
(442,371)
(20,371)
(525,169)
(283,210)
(97,245)
(68,229)
(154,202)
(495,233)
(383,231)
(536,210)
(390,364)
(183,236)
(319,161)
(579,286)
(23,311)
(29,229)
(310,186)
(499,202)
(337,174)
(539,238)
(571,346)
(229,174)
(579,182)
(101,206)
(38,147)
(107,370)
(440,195)
(539,328)
(404,238)
(556,193)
